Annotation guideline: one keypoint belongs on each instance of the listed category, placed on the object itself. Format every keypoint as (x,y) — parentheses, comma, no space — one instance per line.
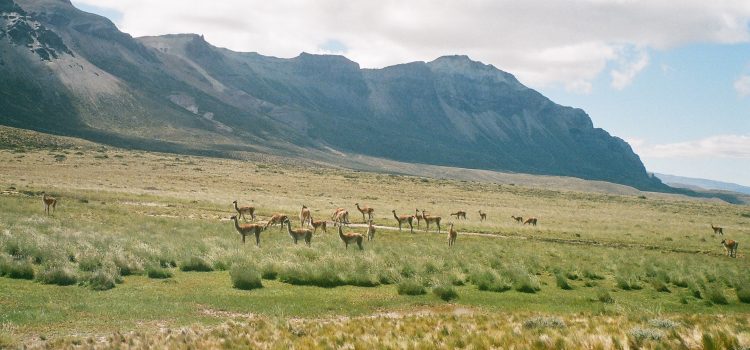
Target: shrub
(562,282)
(743,293)
(445,292)
(716,296)
(410,287)
(269,272)
(660,286)
(16,269)
(627,283)
(487,281)
(640,334)
(195,264)
(59,275)
(592,275)
(245,277)
(604,296)
(158,272)
(101,280)
(544,322)
(127,266)
(90,263)
(524,283)
(663,323)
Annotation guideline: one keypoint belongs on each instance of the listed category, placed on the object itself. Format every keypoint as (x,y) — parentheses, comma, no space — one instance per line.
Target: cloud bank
(719,146)
(567,43)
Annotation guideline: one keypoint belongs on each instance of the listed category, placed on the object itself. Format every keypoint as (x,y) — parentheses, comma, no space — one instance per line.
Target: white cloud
(624,75)
(742,86)
(543,42)
(720,146)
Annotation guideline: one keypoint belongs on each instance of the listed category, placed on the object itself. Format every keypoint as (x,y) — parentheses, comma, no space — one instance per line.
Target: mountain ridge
(179,90)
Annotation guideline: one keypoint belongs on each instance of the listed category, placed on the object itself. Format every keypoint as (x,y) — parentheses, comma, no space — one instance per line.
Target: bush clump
(245,277)
(59,275)
(445,292)
(544,322)
(716,296)
(562,282)
(604,296)
(196,264)
(410,287)
(488,281)
(101,280)
(17,269)
(158,272)
(743,294)
(269,272)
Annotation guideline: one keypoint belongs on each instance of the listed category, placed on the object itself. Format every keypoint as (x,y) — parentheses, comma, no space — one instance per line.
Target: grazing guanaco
(304,215)
(429,218)
(409,219)
(341,217)
(452,234)
(277,219)
(370,231)
(333,217)
(519,219)
(366,210)
(49,201)
(530,221)
(242,210)
(730,246)
(482,216)
(350,237)
(298,233)
(717,230)
(246,229)
(315,224)
(419,216)
(459,214)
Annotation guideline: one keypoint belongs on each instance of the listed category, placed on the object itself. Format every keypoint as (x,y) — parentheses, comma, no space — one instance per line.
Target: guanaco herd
(340,217)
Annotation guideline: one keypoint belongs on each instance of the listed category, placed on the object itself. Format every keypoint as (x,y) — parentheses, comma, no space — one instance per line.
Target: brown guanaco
(299,233)
(315,224)
(350,237)
(247,229)
(452,234)
(482,216)
(277,218)
(365,210)
(341,217)
(418,216)
(49,201)
(409,219)
(370,231)
(459,214)
(519,219)
(530,221)
(429,218)
(241,211)
(730,246)
(717,230)
(304,216)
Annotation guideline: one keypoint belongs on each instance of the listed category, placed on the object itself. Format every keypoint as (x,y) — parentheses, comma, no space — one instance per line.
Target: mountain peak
(463,65)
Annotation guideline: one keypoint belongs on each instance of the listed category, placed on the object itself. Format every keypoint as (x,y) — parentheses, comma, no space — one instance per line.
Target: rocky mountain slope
(74,73)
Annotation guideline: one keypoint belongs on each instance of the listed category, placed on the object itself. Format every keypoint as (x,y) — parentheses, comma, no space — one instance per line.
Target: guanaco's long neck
(341,233)
(236,223)
(395,216)
(289,227)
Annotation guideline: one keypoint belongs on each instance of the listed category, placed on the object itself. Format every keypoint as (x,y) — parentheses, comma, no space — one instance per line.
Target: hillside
(75,73)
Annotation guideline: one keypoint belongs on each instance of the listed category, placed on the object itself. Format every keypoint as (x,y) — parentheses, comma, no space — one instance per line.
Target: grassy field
(141,250)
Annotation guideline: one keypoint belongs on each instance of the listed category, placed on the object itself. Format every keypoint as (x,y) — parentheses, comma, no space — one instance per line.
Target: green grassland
(141,250)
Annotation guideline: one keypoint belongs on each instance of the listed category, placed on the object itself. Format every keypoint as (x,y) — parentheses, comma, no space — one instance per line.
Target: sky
(671,77)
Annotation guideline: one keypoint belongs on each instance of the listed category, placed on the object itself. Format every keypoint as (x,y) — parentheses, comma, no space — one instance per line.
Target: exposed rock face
(180,90)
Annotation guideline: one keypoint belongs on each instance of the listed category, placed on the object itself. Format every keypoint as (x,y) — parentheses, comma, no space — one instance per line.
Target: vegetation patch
(158,272)
(445,292)
(59,275)
(411,287)
(245,277)
(196,264)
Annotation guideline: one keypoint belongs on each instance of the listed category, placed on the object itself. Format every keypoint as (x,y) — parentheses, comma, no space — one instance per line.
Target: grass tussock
(245,277)
(197,264)
(18,269)
(410,287)
(445,292)
(59,275)
(158,272)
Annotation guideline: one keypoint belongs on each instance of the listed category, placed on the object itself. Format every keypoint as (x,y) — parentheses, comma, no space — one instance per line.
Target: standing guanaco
(315,224)
(717,230)
(304,216)
(299,233)
(370,231)
(277,218)
(341,217)
(452,234)
(530,221)
(418,215)
(519,219)
(409,219)
(246,229)
(459,214)
(482,216)
(730,246)
(350,237)
(365,210)
(242,210)
(49,201)
(429,218)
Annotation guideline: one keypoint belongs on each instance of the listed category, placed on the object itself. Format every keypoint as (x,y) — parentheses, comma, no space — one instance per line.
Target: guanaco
(482,216)
(242,210)
(315,224)
(341,217)
(519,219)
(459,214)
(246,229)
(366,210)
(298,233)
(333,217)
(418,216)
(304,216)
(350,237)
(530,221)
(370,231)
(452,234)
(429,218)
(730,246)
(277,219)
(717,230)
(409,219)
(49,201)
